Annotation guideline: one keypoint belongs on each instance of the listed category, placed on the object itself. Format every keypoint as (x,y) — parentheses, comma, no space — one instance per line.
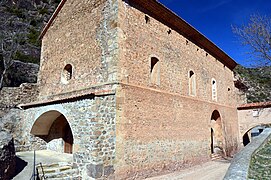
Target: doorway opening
(217,139)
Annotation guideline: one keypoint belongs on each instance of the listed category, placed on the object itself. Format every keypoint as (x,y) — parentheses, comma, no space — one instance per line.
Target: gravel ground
(213,170)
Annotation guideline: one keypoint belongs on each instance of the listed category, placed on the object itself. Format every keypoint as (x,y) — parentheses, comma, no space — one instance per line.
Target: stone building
(253,119)
(131,90)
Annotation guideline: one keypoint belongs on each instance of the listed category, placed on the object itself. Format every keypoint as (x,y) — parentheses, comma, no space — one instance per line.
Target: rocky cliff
(21,23)
(257,81)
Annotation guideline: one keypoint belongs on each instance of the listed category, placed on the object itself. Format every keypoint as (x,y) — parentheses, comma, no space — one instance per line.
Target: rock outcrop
(20,72)
(7,156)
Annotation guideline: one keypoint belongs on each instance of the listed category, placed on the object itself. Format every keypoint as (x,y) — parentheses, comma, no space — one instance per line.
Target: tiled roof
(255,105)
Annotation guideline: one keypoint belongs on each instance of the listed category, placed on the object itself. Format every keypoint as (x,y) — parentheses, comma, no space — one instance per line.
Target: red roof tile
(255,105)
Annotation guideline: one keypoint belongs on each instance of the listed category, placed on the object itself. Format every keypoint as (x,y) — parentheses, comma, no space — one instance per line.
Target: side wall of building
(160,127)
(141,40)
(82,35)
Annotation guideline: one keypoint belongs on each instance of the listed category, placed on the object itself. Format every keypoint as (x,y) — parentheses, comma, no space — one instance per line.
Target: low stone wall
(7,156)
(239,167)
(10,97)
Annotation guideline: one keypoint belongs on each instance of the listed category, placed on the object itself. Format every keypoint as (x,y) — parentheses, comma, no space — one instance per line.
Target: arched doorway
(217,139)
(51,126)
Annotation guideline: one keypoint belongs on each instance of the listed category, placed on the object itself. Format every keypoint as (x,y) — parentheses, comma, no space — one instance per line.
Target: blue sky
(214,19)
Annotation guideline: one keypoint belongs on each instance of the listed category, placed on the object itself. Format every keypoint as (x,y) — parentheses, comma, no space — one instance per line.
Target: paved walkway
(213,170)
(25,161)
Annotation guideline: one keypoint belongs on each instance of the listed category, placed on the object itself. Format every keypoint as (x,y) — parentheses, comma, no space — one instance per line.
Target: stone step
(216,157)
(66,178)
(57,170)
(54,164)
(67,174)
(54,169)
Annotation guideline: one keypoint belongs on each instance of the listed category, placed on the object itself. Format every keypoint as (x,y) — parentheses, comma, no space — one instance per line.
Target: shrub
(25,58)
(33,36)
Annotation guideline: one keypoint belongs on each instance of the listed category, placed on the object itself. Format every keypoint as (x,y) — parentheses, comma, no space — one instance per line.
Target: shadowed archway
(217,144)
(252,132)
(53,125)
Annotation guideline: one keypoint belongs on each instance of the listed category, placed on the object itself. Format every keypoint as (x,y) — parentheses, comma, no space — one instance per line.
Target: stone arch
(53,125)
(247,136)
(217,138)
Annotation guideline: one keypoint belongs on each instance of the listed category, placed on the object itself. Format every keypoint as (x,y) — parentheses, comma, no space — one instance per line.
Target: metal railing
(35,173)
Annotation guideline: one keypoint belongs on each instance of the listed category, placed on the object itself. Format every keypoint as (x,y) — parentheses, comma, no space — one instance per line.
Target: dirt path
(214,170)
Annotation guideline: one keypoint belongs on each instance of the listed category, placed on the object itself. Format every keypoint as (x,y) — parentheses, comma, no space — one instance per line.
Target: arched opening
(67,74)
(217,142)
(155,71)
(54,128)
(253,132)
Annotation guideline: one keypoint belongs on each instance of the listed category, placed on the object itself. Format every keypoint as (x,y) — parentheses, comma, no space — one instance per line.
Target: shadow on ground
(20,165)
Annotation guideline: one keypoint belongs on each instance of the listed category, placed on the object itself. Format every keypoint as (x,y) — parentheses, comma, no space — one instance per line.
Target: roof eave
(167,17)
(51,20)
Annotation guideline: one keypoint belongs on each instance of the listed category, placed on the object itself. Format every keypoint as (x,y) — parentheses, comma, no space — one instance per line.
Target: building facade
(253,119)
(131,90)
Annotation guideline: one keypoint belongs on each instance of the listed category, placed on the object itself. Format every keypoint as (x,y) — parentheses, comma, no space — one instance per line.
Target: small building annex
(131,90)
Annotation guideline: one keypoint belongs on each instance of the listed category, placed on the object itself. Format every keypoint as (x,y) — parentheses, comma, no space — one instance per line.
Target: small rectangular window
(255,113)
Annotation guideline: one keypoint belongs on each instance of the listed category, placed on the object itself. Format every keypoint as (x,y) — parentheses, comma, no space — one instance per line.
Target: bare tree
(256,35)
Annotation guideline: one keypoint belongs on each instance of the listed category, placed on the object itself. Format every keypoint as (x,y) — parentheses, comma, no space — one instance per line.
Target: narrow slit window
(192,83)
(155,71)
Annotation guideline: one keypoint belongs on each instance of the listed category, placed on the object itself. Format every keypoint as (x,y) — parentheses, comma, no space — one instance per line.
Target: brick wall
(177,56)
(160,127)
(82,35)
